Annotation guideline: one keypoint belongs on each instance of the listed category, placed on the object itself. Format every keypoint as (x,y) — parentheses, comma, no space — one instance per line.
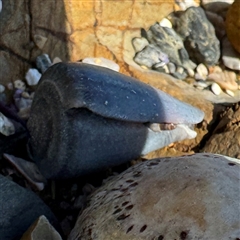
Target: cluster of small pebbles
(23,92)
(191,45)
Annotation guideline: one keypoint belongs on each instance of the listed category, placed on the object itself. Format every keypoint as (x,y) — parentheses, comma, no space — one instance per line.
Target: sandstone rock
(233,24)
(225,138)
(166,198)
(226,79)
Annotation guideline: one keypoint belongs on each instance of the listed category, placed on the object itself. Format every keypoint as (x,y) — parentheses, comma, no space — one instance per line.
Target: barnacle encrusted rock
(189,197)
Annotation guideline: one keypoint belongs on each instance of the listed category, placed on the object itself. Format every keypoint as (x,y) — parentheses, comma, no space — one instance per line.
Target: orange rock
(233,24)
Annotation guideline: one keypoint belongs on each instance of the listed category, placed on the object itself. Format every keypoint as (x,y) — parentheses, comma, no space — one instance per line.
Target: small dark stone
(43,62)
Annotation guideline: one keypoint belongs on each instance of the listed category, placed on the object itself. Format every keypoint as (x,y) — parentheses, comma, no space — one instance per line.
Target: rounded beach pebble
(188,197)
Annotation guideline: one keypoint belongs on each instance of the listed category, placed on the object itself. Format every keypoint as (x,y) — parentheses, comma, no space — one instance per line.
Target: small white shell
(102,62)
(216,89)
(2,88)
(6,126)
(165,23)
(56,60)
(33,76)
(230,93)
(19,84)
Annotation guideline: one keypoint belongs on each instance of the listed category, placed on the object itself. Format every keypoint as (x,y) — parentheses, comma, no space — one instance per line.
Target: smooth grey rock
(168,41)
(19,209)
(189,197)
(139,43)
(150,56)
(230,57)
(43,62)
(199,36)
(85,118)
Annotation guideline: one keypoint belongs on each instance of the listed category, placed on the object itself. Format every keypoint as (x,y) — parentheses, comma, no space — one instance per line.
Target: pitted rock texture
(233,24)
(167,198)
(199,36)
(225,138)
(167,40)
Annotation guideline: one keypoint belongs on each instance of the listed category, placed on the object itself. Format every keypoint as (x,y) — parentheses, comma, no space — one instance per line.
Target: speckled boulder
(199,36)
(233,24)
(189,197)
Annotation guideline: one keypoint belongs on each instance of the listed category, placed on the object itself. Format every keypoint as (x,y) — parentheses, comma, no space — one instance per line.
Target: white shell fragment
(165,23)
(2,88)
(19,84)
(56,60)
(6,126)
(33,76)
(102,62)
(189,197)
(216,89)
(229,92)
(202,71)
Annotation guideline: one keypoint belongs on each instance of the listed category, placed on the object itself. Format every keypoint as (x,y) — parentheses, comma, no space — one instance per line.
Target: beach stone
(32,76)
(167,41)
(150,56)
(230,57)
(166,198)
(199,36)
(202,71)
(216,89)
(233,25)
(218,23)
(225,138)
(139,43)
(6,126)
(2,88)
(43,62)
(19,209)
(225,79)
(41,229)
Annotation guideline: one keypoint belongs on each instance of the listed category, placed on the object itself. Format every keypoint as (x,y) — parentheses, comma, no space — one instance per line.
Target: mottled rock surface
(171,44)
(19,209)
(199,36)
(233,24)
(225,138)
(166,198)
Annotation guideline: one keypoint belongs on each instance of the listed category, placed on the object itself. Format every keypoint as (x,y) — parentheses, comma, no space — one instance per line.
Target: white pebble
(165,23)
(202,71)
(229,92)
(216,89)
(25,95)
(139,43)
(2,88)
(33,76)
(6,126)
(19,84)
(102,62)
(56,60)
